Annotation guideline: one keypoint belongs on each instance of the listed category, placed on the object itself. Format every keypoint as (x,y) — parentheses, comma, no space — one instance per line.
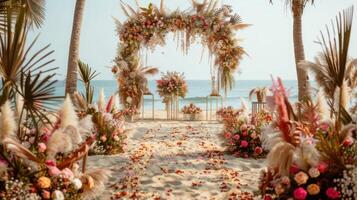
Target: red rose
(294,169)
(258,150)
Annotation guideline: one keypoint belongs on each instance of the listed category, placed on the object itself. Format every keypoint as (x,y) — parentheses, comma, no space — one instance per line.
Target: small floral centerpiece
(191,112)
(171,84)
(109,125)
(242,136)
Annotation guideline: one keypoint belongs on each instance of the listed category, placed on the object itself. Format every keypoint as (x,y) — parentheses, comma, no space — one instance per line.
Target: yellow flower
(301,178)
(44,182)
(313,189)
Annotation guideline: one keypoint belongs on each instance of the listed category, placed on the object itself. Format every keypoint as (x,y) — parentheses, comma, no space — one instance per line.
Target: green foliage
(86,76)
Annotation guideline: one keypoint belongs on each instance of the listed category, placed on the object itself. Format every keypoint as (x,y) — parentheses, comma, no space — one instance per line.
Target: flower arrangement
(49,169)
(316,163)
(243,137)
(148,27)
(108,125)
(313,154)
(171,84)
(191,109)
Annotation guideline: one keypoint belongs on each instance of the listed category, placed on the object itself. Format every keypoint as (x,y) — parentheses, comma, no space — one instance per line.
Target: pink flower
(227,135)
(245,155)
(347,142)
(46,194)
(103,138)
(51,163)
(253,135)
(332,193)
(67,174)
(53,171)
(236,137)
(245,133)
(243,144)
(322,167)
(41,147)
(258,150)
(300,193)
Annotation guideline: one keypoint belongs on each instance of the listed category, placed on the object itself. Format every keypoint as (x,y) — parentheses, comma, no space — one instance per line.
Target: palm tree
(297,9)
(72,68)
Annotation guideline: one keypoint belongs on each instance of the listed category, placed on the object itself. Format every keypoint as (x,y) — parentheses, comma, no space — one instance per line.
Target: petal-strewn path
(178,160)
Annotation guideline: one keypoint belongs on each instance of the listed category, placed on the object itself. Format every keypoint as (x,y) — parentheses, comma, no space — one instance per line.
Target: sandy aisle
(178,160)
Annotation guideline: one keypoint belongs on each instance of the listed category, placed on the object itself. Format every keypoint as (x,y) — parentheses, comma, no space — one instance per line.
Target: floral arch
(147,27)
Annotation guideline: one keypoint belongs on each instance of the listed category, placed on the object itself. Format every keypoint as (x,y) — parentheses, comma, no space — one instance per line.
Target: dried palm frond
(99,177)
(86,76)
(19,150)
(280,158)
(331,65)
(68,114)
(80,102)
(7,122)
(128,10)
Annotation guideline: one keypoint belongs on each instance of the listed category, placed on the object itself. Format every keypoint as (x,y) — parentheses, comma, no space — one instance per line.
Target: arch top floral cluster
(149,26)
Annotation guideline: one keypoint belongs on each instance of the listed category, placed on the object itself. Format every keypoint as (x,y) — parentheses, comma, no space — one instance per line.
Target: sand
(178,160)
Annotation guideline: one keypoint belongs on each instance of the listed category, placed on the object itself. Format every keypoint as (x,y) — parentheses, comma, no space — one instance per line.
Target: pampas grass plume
(321,105)
(101,101)
(7,122)
(68,114)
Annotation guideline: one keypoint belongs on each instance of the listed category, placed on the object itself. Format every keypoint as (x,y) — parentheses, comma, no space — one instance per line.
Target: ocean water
(198,90)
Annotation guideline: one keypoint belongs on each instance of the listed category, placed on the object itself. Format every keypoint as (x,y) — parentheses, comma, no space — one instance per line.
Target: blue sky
(268,42)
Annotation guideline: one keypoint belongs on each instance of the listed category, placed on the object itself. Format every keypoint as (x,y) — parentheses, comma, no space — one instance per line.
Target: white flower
(77,183)
(129,99)
(314,172)
(57,195)
(116,138)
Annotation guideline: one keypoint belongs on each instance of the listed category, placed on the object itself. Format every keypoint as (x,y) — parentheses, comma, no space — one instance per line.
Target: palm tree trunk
(71,80)
(302,76)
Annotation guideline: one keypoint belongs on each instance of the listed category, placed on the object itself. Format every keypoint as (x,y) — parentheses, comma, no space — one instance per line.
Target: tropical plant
(71,79)
(333,68)
(260,92)
(297,8)
(86,76)
(14,55)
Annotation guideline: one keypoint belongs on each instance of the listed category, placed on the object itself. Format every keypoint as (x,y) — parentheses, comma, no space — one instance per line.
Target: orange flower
(44,182)
(313,189)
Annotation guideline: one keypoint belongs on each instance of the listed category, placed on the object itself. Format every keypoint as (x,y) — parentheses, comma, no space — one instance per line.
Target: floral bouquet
(309,158)
(40,162)
(191,112)
(191,109)
(109,126)
(244,141)
(171,84)
(242,137)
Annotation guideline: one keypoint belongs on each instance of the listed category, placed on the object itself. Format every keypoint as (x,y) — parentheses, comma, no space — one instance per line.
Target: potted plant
(191,112)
